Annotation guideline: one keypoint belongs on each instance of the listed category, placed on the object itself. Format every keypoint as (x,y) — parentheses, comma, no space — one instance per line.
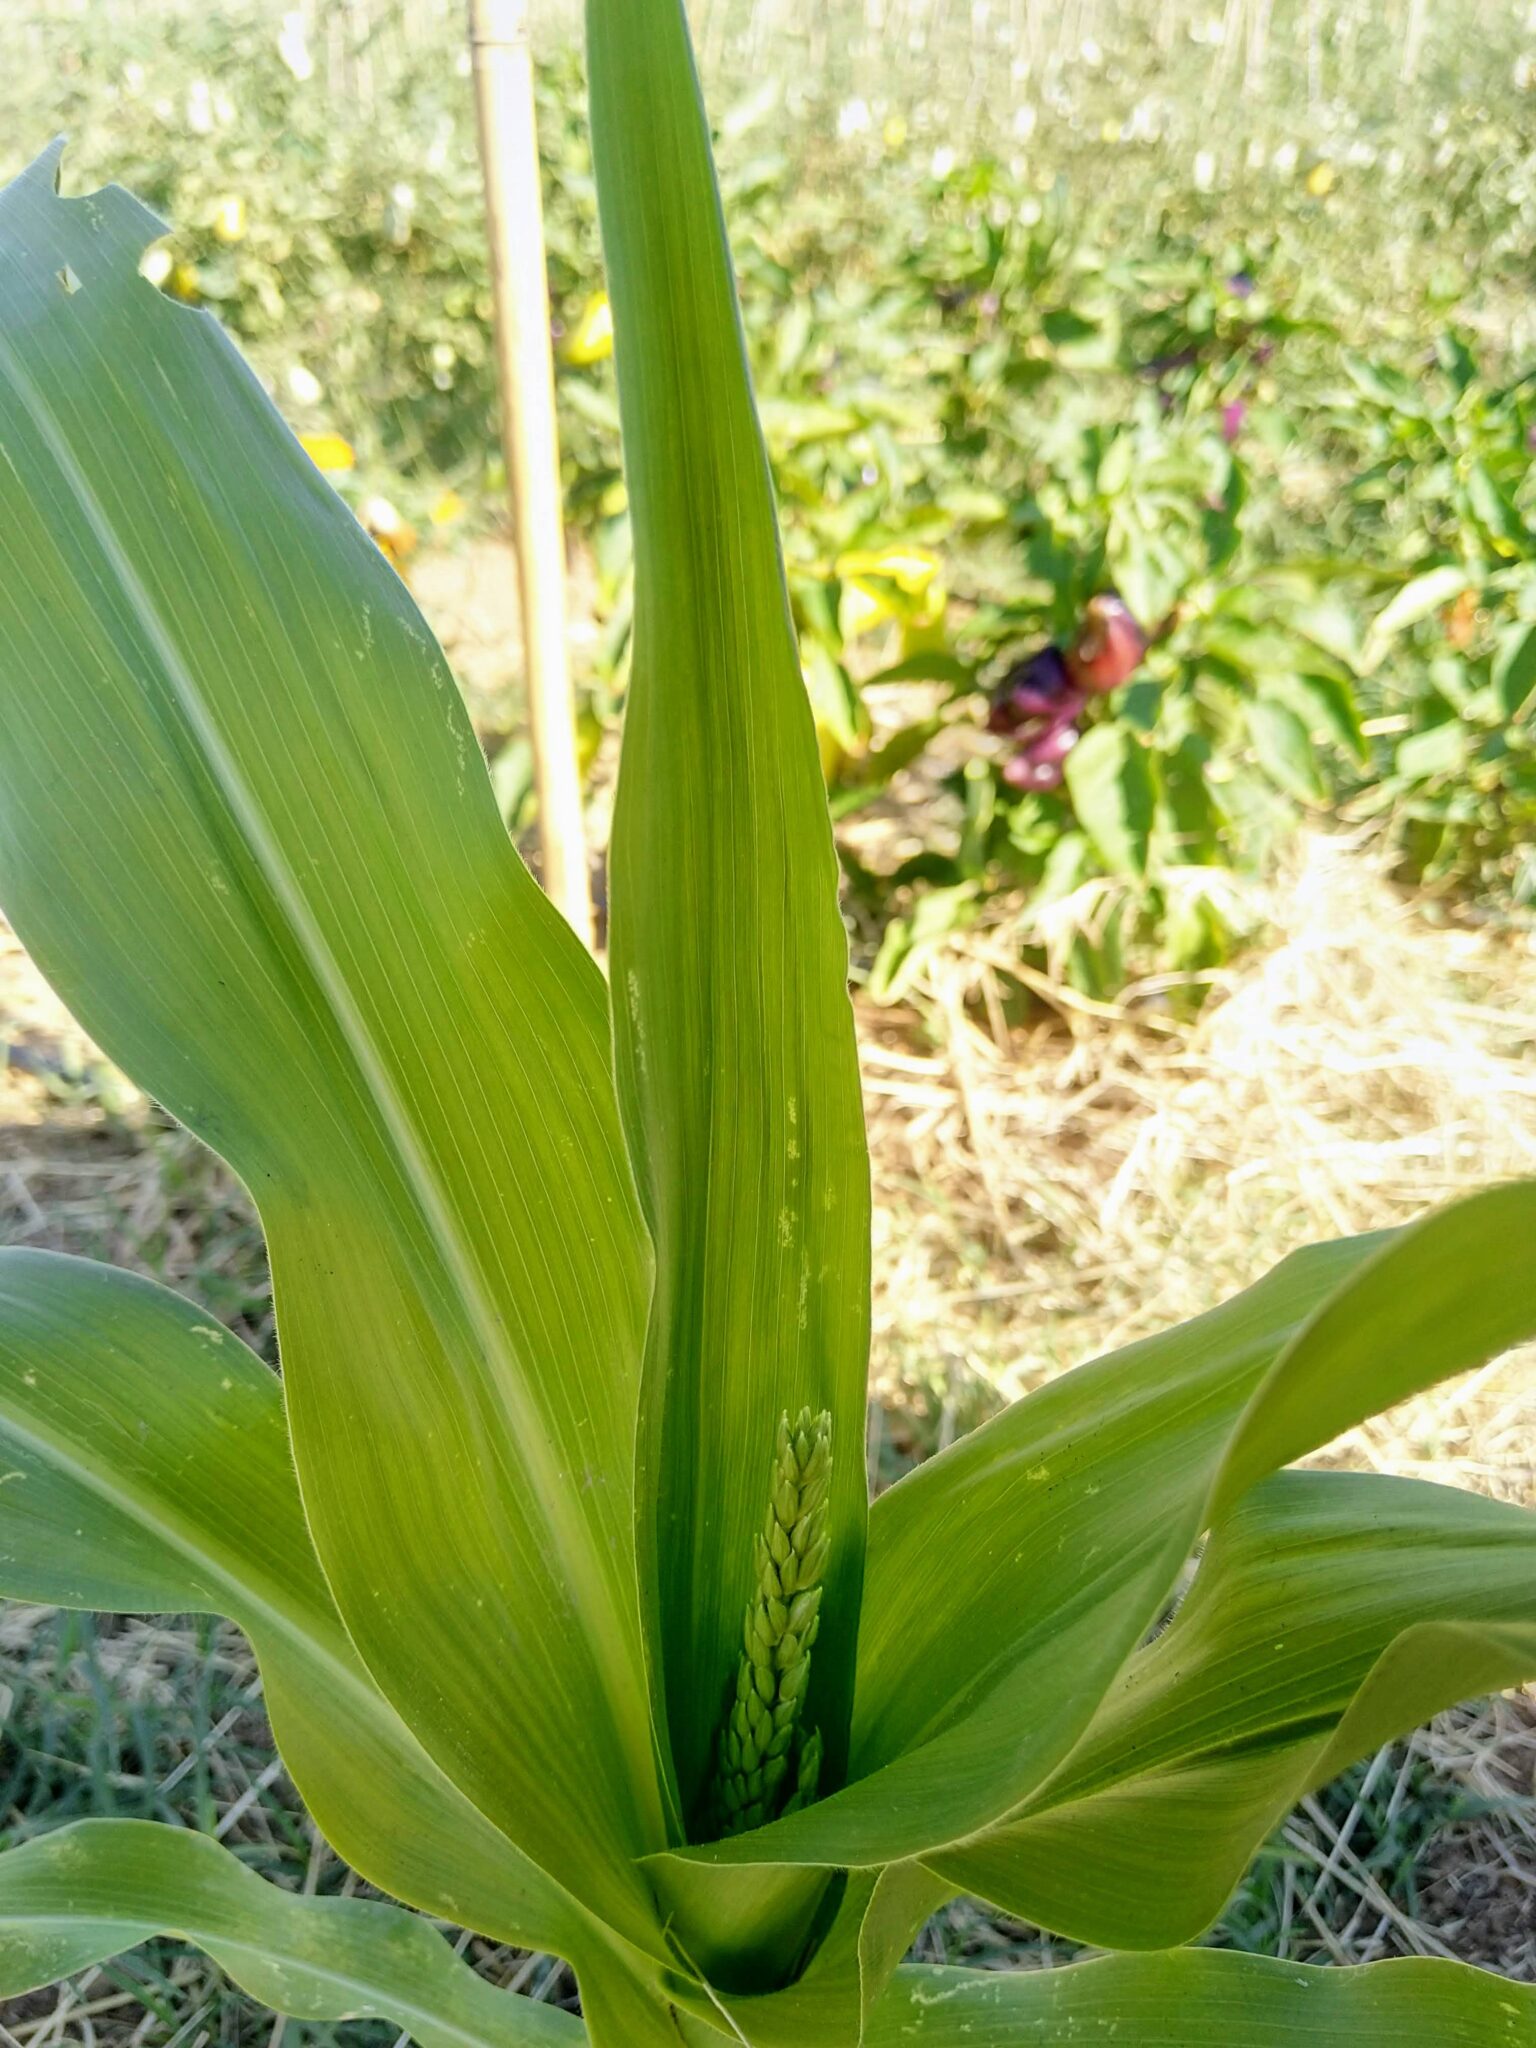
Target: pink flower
(1054,744)
(1032,689)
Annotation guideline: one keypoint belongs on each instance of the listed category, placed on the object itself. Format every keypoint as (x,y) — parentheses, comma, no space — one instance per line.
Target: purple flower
(1240,284)
(1032,689)
(1233,415)
(1054,743)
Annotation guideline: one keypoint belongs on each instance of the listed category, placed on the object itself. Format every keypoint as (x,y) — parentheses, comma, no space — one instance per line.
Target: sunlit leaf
(1438,750)
(1331,1612)
(1109,778)
(1514,670)
(1418,598)
(736,1053)
(1200,1998)
(88,1892)
(145,1468)
(278,894)
(1284,749)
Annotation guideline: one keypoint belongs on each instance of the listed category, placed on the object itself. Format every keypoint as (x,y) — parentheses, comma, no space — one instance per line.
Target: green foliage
(553,1265)
(994,380)
(1446,494)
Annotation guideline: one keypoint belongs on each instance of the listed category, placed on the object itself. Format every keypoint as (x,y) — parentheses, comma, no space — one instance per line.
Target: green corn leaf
(905,1897)
(1200,1998)
(984,1612)
(736,1056)
(1331,1612)
(624,2010)
(877,1916)
(1449,1291)
(823,2004)
(88,1892)
(279,894)
(144,1468)
(1010,1578)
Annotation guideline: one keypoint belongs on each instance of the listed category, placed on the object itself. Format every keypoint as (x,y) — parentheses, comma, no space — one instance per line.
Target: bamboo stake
(1314,58)
(1413,41)
(1258,48)
(503,68)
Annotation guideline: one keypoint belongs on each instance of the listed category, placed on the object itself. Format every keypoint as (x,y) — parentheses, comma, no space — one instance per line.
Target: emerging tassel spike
(807,1772)
(762,1742)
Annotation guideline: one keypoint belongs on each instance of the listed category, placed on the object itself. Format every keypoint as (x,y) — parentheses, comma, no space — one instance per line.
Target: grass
(1045,1188)
(1058,1185)
(163,1720)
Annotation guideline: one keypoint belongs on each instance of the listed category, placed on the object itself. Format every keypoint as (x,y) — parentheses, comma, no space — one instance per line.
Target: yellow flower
(328,452)
(1320,180)
(894,133)
(591,340)
(229,218)
(182,283)
(448,508)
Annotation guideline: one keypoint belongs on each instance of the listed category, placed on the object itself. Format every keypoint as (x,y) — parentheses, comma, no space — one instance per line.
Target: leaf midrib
(248,1604)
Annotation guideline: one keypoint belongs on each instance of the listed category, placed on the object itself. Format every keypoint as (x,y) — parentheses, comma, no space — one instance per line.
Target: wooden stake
(1413,41)
(509,153)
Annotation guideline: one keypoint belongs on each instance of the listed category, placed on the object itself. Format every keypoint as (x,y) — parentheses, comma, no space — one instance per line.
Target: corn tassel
(766,1764)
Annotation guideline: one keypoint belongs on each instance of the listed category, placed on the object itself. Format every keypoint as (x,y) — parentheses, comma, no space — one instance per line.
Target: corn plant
(576,1624)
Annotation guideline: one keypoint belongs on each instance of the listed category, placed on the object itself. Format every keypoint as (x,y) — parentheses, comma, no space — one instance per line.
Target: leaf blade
(1012,1576)
(87,1892)
(323,955)
(1417,598)
(1109,778)
(147,1470)
(736,1058)
(1202,1998)
(1331,1613)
